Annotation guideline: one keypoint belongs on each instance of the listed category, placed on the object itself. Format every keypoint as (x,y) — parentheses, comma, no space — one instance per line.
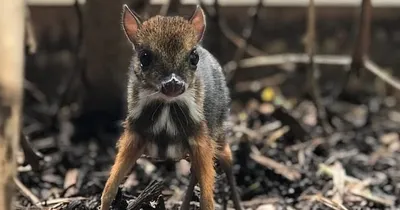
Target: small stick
(289,173)
(335,60)
(170,8)
(363,38)
(59,200)
(312,69)
(66,87)
(362,42)
(326,201)
(32,156)
(227,32)
(246,33)
(152,191)
(70,180)
(25,191)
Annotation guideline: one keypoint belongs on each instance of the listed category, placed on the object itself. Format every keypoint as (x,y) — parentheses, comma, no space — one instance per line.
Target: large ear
(131,22)
(198,20)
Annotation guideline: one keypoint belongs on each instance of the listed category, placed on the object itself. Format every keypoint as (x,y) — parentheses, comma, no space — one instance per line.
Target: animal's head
(165,58)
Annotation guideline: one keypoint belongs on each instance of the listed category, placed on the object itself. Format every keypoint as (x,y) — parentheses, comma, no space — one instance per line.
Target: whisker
(151,94)
(152,116)
(179,121)
(187,121)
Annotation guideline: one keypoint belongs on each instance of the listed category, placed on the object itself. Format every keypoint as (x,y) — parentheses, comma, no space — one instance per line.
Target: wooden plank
(271,3)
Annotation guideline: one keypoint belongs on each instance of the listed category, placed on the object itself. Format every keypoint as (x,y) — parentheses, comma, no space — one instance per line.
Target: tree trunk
(11,78)
(107,53)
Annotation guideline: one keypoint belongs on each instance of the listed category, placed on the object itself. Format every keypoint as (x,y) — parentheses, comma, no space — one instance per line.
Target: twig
(324,169)
(164,8)
(362,42)
(152,191)
(66,87)
(291,58)
(170,8)
(338,182)
(237,40)
(70,181)
(366,194)
(25,191)
(287,119)
(35,92)
(141,7)
(275,135)
(256,85)
(59,200)
(356,186)
(326,201)
(246,34)
(338,60)
(289,173)
(226,31)
(312,69)
(32,156)
(363,38)
(261,201)
(249,132)
(382,74)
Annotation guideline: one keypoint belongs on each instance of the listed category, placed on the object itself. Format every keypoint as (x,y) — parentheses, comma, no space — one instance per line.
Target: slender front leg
(189,192)
(203,152)
(129,150)
(225,158)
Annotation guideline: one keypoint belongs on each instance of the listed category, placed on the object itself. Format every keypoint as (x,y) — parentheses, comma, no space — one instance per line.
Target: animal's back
(216,99)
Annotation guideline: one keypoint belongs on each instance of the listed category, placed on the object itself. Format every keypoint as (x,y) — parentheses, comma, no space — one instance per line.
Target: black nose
(173,86)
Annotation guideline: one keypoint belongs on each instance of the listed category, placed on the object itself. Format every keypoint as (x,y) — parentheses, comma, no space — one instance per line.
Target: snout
(173,86)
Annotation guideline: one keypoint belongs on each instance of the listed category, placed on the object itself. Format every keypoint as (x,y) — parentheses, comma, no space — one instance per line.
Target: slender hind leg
(225,158)
(189,192)
(202,159)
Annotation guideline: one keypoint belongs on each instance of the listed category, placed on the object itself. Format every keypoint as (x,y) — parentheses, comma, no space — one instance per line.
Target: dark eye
(193,58)
(145,58)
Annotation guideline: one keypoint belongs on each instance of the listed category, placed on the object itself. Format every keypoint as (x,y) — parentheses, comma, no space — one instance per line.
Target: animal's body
(178,103)
(170,125)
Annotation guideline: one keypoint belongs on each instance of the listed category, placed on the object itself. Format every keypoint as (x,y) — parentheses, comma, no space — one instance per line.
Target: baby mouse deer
(178,103)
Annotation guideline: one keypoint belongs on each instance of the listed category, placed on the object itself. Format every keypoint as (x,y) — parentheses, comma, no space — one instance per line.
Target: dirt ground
(283,160)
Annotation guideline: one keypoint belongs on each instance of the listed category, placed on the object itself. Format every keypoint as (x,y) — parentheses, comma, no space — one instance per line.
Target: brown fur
(182,34)
(225,158)
(129,150)
(170,39)
(202,158)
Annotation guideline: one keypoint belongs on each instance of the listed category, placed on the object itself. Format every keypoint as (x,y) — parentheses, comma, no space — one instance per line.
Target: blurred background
(292,133)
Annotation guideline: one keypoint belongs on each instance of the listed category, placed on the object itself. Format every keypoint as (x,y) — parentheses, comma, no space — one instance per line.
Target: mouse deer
(178,104)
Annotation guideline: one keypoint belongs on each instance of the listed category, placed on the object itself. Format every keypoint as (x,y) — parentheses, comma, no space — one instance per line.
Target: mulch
(283,158)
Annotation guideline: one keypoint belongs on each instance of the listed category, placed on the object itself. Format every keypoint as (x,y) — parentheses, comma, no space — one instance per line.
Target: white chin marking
(187,98)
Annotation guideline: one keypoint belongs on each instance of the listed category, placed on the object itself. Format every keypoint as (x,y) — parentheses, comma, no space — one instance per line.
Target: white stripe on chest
(165,122)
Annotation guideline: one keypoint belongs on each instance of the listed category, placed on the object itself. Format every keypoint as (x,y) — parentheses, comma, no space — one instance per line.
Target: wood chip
(287,172)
